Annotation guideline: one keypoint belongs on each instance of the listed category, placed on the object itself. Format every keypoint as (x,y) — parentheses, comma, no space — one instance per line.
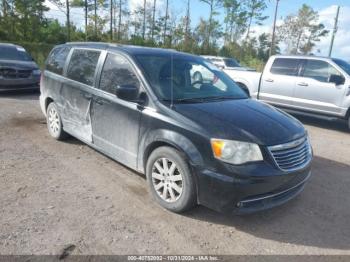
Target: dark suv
(18,71)
(198,142)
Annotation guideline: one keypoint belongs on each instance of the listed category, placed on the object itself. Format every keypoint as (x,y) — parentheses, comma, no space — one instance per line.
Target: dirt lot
(54,194)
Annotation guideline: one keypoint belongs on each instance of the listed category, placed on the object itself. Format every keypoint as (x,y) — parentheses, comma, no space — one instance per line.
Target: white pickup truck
(302,84)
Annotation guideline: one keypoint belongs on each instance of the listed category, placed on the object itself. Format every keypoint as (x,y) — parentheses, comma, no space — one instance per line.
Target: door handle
(303,84)
(269,80)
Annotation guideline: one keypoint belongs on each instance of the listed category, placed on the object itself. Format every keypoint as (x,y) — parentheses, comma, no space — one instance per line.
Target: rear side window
(117,71)
(319,70)
(82,66)
(285,66)
(57,59)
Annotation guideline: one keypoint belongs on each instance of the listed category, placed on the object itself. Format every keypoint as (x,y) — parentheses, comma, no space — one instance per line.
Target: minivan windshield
(13,53)
(181,78)
(344,65)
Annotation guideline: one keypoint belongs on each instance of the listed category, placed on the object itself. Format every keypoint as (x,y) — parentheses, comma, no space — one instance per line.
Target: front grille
(292,156)
(9,73)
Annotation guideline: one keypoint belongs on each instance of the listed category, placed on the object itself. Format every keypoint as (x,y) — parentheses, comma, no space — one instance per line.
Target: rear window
(82,66)
(344,65)
(14,53)
(57,59)
(285,66)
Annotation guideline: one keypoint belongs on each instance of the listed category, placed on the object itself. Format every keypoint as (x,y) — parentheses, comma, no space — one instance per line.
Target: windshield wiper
(214,98)
(189,100)
(201,99)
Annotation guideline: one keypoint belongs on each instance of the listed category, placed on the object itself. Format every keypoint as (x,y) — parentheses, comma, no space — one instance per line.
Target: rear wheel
(54,123)
(349,122)
(170,180)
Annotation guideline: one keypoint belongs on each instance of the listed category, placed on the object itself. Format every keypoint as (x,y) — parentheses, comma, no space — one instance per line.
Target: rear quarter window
(285,66)
(82,66)
(57,59)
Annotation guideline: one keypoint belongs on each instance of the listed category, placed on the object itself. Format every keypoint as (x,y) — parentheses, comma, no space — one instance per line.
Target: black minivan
(18,71)
(199,141)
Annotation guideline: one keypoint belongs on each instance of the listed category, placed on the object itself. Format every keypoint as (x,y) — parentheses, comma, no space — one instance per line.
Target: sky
(326,9)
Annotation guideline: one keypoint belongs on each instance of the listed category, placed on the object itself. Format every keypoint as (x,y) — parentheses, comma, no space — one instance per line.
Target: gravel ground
(59,194)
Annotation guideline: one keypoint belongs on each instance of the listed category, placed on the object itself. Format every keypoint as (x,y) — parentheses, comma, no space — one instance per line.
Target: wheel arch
(347,114)
(153,146)
(166,143)
(158,138)
(160,143)
(48,101)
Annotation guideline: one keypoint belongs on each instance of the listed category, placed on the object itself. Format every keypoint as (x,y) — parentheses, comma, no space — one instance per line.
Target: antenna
(335,29)
(274,30)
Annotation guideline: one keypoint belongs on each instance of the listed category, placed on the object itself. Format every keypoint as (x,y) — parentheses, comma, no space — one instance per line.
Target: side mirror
(127,92)
(337,79)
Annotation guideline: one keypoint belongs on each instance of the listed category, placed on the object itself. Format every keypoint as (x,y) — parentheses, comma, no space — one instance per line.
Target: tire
(54,122)
(174,189)
(349,122)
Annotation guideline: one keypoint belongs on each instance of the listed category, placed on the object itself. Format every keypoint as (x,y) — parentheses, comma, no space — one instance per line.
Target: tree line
(227,29)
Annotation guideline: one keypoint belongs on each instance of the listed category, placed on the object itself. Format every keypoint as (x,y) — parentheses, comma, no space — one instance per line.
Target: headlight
(235,152)
(36,72)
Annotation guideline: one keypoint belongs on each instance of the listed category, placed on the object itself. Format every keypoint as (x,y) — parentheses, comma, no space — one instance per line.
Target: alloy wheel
(167,180)
(54,121)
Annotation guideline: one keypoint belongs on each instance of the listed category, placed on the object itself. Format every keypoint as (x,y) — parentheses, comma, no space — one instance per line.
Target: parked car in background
(227,63)
(197,142)
(18,71)
(316,86)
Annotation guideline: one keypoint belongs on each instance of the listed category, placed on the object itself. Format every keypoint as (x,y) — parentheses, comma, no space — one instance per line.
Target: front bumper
(19,84)
(42,99)
(244,190)
(270,200)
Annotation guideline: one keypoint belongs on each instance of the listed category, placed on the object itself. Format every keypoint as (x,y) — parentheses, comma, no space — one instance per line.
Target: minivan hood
(244,120)
(17,64)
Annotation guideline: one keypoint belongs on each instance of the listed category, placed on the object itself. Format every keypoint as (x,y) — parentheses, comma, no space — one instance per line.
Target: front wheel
(54,122)
(170,180)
